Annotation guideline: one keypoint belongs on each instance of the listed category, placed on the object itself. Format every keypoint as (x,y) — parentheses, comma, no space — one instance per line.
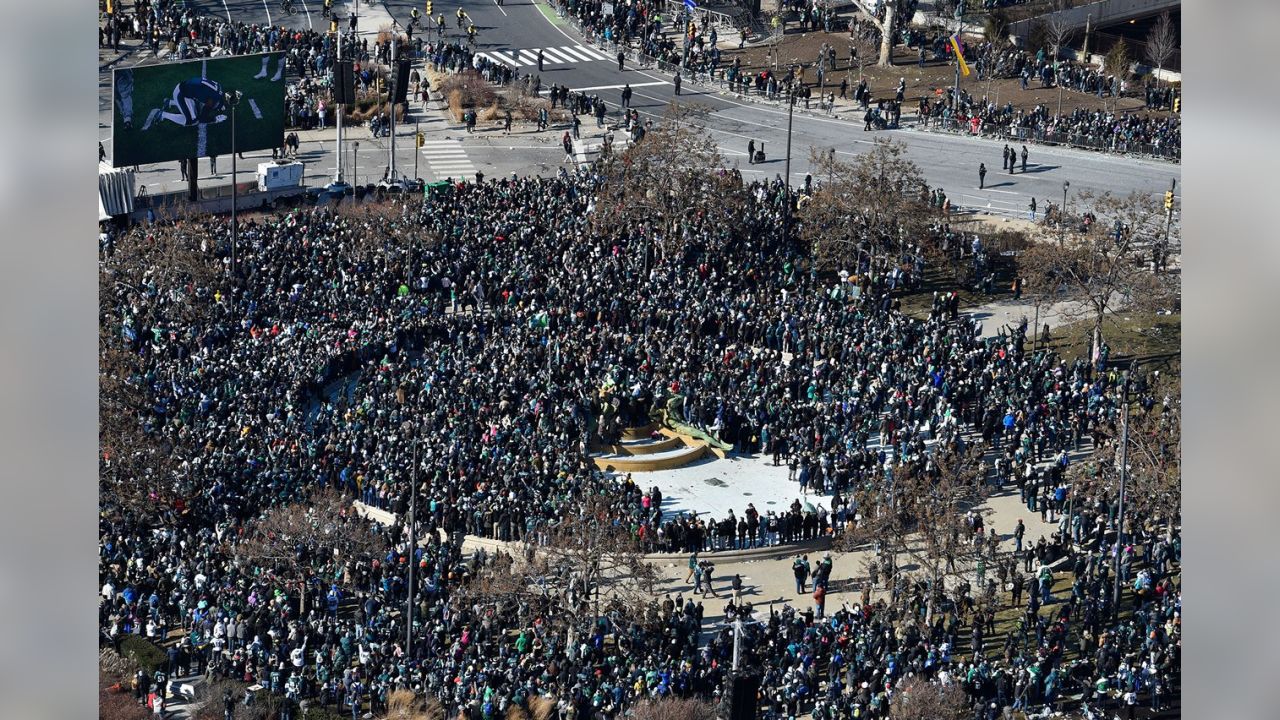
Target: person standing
(982,175)
(1024,158)
(568,146)
(540,57)
(800,568)
(751,160)
(1005,166)
(1032,208)
(819,602)
(626,97)
(676,82)
(693,566)
(621,57)
(707,570)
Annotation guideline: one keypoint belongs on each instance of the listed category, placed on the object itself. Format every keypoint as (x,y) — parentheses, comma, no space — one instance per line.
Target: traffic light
(422,140)
(743,696)
(333,25)
(344,82)
(1168,200)
(429,9)
(1177,104)
(400,81)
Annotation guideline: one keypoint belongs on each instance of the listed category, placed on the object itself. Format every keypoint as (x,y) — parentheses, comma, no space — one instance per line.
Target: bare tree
(920,699)
(115,699)
(1154,484)
(1162,42)
(917,513)
(665,179)
(1057,34)
(599,560)
(860,47)
(307,539)
(1108,267)
(586,564)
(673,709)
(873,202)
(887,24)
(995,27)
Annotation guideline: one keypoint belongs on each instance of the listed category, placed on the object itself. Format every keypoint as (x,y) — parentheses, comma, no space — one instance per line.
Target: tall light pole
(355,162)
(1124,476)
(791,106)
(233,101)
(391,98)
(338,109)
(413,547)
(1062,214)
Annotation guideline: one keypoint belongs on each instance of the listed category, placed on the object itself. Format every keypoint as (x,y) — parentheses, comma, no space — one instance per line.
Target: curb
(517,547)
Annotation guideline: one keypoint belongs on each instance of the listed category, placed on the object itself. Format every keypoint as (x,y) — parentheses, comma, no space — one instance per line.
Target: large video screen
(182,110)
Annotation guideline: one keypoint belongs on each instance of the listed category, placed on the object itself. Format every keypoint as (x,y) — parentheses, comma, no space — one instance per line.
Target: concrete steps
(640,447)
(679,457)
(643,432)
(651,447)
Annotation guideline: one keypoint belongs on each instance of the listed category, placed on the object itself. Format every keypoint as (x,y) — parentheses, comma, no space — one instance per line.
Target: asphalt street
(514,32)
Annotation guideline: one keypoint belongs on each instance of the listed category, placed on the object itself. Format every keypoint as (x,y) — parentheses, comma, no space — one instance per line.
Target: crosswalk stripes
(564,55)
(447,159)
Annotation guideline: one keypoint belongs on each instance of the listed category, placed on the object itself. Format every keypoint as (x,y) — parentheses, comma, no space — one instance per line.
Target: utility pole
(786,208)
(737,643)
(1062,214)
(1124,476)
(416,134)
(391,100)
(1168,224)
(338,111)
(233,99)
(413,546)
(791,106)
(1084,50)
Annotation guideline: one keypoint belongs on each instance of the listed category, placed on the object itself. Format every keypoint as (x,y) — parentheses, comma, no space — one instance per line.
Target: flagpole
(959,53)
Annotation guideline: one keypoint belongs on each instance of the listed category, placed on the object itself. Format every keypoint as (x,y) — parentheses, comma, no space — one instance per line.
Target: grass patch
(146,654)
(1155,340)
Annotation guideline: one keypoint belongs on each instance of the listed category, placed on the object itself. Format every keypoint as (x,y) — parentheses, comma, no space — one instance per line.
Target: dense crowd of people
(498,355)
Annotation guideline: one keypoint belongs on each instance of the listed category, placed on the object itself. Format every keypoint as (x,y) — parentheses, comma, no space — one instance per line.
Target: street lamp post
(1124,476)
(1062,214)
(791,106)
(233,101)
(355,163)
(413,546)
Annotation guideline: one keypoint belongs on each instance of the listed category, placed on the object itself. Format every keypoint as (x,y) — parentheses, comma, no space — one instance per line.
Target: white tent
(115,191)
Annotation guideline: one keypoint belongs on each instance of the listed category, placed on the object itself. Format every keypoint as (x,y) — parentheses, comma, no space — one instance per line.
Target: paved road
(512,33)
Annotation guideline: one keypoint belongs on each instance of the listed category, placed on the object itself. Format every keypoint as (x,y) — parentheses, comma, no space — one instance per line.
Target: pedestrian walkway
(564,55)
(447,159)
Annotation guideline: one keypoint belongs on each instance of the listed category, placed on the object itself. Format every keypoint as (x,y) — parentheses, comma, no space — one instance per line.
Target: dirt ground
(802,49)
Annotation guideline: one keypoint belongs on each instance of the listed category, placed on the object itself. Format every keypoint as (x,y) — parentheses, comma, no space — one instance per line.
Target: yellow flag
(955,46)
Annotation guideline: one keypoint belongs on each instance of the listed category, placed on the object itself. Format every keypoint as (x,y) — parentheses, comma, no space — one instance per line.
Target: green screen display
(181,110)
